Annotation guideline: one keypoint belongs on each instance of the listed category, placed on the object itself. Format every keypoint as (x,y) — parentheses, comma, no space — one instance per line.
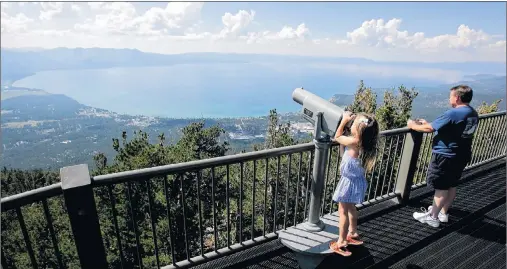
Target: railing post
(408,164)
(84,221)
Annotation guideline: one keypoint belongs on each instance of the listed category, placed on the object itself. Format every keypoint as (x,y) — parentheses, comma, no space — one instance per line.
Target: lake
(219,90)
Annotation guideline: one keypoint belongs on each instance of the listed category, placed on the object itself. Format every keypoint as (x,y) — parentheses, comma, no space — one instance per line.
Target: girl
(359,154)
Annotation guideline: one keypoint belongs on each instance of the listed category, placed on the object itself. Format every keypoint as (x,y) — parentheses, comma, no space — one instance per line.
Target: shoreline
(159,117)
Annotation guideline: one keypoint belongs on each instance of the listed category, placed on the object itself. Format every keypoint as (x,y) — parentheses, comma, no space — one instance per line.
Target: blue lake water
(212,90)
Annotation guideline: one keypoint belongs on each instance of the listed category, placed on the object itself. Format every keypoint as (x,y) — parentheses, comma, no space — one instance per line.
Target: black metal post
(408,164)
(84,221)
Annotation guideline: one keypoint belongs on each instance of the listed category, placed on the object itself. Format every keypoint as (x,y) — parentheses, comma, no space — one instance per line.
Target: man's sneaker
(425,217)
(441,216)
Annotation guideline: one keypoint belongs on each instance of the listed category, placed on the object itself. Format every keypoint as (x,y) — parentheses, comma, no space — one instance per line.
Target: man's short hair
(464,93)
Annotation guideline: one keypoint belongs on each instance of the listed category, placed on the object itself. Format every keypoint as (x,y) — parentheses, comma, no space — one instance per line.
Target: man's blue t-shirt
(454,131)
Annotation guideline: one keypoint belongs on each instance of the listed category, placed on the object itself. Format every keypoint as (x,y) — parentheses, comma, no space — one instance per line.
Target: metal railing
(183,214)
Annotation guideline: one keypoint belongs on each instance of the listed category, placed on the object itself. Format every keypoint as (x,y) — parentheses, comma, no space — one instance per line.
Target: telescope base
(313,227)
(310,248)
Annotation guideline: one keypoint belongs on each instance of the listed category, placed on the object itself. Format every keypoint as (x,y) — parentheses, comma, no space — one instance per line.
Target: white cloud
(234,24)
(116,17)
(464,38)
(499,44)
(75,8)
(289,33)
(378,33)
(13,24)
(179,28)
(123,18)
(175,16)
(299,34)
(55,33)
(95,5)
(50,9)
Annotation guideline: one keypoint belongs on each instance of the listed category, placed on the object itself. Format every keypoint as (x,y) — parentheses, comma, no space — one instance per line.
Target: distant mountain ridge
(19,63)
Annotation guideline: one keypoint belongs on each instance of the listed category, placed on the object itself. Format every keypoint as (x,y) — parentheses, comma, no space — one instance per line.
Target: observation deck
(228,212)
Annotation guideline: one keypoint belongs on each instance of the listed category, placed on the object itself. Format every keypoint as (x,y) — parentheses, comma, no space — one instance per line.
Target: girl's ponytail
(368,136)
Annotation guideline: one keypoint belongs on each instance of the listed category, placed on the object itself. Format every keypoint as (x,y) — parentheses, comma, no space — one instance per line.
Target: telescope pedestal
(314,224)
(310,240)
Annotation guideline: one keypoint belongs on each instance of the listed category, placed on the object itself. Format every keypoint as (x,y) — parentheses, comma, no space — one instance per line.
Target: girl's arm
(346,140)
(339,131)
(340,138)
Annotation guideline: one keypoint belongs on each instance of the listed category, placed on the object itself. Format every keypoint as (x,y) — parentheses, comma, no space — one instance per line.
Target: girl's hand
(347,116)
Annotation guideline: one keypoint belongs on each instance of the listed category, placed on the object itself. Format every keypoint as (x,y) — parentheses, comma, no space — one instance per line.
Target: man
(452,150)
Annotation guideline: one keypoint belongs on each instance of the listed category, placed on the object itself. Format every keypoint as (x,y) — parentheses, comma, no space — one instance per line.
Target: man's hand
(420,126)
(422,121)
(410,124)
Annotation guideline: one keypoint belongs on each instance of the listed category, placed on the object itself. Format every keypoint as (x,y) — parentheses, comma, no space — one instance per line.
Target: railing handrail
(175,168)
(493,114)
(114,178)
(119,177)
(31,196)
(406,129)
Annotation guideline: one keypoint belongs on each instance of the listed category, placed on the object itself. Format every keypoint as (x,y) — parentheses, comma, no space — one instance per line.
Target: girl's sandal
(339,250)
(353,241)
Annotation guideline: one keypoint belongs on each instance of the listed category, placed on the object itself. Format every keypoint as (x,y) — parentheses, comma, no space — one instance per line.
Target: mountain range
(20,63)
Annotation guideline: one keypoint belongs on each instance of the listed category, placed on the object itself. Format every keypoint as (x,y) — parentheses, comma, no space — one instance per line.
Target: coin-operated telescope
(324,115)
(307,238)
(326,118)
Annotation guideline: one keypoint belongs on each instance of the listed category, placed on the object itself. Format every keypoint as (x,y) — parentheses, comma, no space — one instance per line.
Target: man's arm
(426,127)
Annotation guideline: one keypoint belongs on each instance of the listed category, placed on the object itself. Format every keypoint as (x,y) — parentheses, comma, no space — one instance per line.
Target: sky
(383,31)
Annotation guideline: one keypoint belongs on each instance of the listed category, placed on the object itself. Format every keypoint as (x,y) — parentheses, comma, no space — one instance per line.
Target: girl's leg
(344,223)
(353,221)
(339,246)
(352,234)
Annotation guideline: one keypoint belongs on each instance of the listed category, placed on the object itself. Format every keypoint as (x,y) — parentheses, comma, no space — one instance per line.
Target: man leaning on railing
(452,149)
